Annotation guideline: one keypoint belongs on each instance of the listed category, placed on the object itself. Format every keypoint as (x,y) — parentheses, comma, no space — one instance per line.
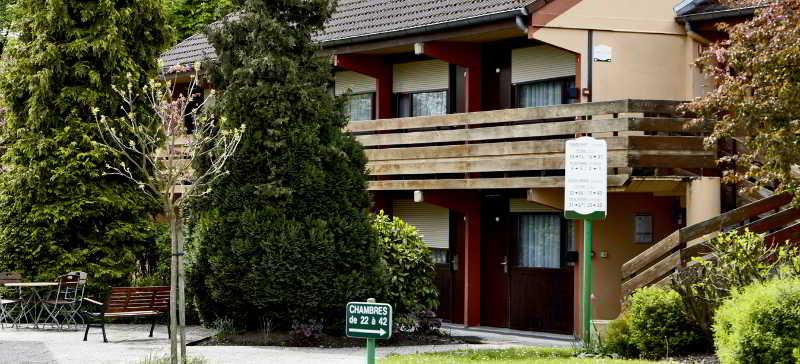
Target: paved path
(130,344)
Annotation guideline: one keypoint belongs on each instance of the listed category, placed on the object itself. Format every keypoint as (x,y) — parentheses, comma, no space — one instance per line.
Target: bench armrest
(92,301)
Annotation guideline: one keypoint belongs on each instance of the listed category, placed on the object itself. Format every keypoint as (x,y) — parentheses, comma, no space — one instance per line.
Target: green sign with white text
(367,320)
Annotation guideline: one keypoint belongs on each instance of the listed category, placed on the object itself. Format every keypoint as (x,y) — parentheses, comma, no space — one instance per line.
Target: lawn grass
(504,356)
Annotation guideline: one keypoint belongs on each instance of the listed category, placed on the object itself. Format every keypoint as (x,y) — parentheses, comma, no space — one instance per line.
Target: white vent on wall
(541,63)
(349,80)
(431,221)
(421,76)
(523,205)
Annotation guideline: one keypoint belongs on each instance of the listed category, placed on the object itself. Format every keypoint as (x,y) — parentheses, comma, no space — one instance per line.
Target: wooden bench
(129,302)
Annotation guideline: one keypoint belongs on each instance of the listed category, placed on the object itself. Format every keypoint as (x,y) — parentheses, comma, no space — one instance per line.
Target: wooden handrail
(647,107)
(660,259)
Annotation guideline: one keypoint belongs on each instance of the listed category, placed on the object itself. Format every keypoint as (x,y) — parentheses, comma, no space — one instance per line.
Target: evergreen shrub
(286,235)
(659,327)
(618,339)
(408,270)
(760,324)
(59,209)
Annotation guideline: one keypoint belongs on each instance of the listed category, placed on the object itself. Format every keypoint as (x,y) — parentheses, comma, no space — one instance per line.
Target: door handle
(504,263)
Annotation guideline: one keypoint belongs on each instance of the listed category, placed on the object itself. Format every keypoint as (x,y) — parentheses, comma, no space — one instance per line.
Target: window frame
(371,104)
(399,95)
(565,99)
(636,232)
(513,254)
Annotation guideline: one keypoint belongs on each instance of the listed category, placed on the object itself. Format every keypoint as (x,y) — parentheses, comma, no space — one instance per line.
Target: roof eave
(510,14)
(716,15)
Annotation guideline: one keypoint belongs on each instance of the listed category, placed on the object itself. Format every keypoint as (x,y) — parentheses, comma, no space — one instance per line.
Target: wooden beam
(653,253)
(494,116)
(528,147)
(652,274)
(493,133)
(735,216)
(790,233)
(535,162)
(773,221)
(479,183)
(680,143)
(672,159)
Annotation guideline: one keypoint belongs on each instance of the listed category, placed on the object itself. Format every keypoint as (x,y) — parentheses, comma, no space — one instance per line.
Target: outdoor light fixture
(418,196)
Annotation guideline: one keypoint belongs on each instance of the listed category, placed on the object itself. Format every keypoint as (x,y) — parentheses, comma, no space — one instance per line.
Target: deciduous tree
(757,97)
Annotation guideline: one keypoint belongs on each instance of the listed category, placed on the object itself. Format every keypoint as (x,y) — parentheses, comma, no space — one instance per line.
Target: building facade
(464,107)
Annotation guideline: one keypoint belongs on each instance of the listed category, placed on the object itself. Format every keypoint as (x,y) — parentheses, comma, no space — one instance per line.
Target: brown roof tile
(360,19)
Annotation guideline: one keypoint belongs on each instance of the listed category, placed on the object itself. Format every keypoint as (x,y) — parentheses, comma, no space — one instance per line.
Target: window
(539,241)
(439,255)
(359,106)
(643,225)
(422,103)
(543,93)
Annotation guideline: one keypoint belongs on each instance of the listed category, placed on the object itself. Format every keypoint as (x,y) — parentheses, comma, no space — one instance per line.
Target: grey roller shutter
(349,80)
(431,221)
(523,205)
(421,76)
(541,63)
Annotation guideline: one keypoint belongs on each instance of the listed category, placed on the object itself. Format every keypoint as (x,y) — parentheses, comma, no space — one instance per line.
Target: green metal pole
(586,299)
(370,351)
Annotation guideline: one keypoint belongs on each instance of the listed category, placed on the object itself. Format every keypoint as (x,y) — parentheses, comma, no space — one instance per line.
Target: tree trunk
(181,291)
(173,287)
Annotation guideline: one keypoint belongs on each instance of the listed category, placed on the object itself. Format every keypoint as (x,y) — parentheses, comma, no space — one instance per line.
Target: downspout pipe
(590,67)
(521,20)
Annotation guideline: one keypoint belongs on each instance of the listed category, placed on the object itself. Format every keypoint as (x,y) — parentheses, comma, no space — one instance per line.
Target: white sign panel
(602,53)
(586,176)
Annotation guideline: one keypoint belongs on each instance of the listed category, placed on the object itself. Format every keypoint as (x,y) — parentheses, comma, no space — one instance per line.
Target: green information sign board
(586,198)
(368,320)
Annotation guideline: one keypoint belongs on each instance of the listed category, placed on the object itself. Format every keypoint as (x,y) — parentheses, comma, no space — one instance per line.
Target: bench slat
(137,301)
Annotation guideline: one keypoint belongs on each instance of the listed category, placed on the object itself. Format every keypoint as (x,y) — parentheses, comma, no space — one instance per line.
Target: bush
(286,233)
(408,270)
(421,323)
(618,339)
(735,260)
(658,325)
(60,210)
(760,324)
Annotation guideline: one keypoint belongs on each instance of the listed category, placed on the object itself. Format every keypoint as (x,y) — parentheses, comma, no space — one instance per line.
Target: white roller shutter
(431,221)
(349,80)
(523,205)
(541,63)
(421,76)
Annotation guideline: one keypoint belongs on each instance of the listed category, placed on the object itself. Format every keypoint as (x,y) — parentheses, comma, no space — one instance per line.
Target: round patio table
(33,303)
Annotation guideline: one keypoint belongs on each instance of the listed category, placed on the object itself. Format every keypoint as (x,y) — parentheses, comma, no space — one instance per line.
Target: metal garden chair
(64,308)
(8,304)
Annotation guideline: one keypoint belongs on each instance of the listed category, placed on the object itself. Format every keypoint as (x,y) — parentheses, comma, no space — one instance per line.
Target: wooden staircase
(773,216)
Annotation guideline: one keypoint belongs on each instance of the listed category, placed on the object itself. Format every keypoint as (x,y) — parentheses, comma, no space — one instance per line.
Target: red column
(472,267)
(465,55)
(375,67)
(467,203)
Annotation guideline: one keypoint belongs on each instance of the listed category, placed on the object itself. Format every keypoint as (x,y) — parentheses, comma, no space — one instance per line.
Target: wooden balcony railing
(524,148)
(774,216)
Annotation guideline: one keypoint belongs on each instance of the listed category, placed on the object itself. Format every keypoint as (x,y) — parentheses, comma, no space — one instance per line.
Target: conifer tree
(59,211)
(286,235)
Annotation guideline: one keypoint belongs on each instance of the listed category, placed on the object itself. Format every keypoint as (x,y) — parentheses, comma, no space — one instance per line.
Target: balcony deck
(524,148)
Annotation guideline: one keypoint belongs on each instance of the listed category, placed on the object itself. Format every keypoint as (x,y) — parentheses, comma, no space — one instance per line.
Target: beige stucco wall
(652,58)
(654,16)
(614,235)
(703,199)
